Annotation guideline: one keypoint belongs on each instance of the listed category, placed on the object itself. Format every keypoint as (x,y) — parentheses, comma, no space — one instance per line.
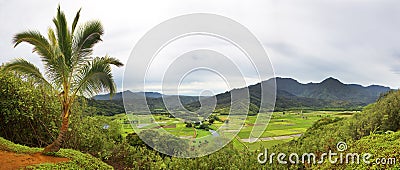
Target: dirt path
(272,138)
(11,160)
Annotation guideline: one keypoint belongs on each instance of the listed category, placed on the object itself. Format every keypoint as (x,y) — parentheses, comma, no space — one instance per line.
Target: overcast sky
(355,41)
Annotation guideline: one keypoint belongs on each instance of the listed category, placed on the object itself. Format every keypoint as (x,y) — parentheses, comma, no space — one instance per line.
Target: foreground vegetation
(375,130)
(25,110)
(70,69)
(30,107)
(77,160)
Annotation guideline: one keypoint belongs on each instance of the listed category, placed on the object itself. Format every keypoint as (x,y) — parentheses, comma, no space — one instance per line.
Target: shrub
(134,140)
(96,135)
(204,126)
(188,124)
(29,114)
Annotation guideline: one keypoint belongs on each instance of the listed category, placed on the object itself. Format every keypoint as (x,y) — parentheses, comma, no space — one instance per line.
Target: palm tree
(70,69)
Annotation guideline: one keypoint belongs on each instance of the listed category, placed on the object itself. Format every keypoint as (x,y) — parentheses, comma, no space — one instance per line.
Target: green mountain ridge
(290,94)
(331,89)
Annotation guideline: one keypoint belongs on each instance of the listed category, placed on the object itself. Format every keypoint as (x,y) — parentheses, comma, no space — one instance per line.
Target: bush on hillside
(29,114)
(96,135)
(362,127)
(134,140)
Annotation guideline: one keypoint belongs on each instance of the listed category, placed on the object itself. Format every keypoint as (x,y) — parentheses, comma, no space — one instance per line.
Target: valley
(282,127)
(195,85)
(298,106)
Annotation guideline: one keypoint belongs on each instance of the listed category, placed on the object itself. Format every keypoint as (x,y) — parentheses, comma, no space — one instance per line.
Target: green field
(282,127)
(287,123)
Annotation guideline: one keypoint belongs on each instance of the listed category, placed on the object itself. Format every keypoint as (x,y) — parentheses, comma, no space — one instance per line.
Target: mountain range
(118,96)
(331,89)
(290,94)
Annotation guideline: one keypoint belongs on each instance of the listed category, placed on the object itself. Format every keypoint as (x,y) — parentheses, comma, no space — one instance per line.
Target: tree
(70,69)
(134,140)
(188,124)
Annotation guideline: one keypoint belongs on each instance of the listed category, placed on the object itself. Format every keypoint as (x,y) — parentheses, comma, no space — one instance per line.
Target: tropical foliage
(71,70)
(28,115)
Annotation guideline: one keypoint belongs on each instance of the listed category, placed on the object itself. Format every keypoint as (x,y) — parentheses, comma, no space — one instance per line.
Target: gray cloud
(352,40)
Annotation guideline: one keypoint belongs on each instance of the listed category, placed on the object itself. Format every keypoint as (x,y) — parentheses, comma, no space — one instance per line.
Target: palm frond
(112,61)
(96,77)
(55,65)
(26,68)
(63,36)
(40,43)
(52,37)
(75,21)
(48,51)
(55,70)
(85,38)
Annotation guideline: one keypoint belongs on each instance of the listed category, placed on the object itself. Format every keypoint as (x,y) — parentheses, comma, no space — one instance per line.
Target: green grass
(280,124)
(290,123)
(202,133)
(77,160)
(180,130)
(266,144)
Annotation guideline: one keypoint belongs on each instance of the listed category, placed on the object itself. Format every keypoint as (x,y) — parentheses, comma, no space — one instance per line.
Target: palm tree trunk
(56,145)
